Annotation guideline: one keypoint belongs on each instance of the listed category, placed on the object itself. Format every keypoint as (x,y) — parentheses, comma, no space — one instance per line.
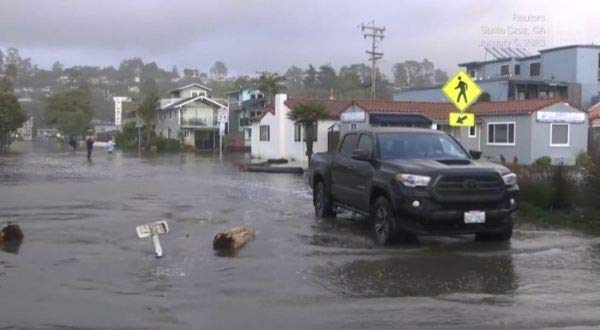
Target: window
(247,133)
(194,94)
(419,145)
(297,132)
(559,135)
(517,69)
(170,112)
(352,126)
(264,133)
(473,131)
(501,134)
(504,70)
(365,143)
(534,69)
(348,145)
(472,73)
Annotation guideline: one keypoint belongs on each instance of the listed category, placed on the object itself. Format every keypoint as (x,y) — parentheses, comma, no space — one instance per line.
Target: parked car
(410,181)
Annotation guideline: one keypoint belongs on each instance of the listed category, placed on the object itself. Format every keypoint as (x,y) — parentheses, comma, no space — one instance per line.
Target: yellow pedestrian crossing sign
(461,119)
(461,90)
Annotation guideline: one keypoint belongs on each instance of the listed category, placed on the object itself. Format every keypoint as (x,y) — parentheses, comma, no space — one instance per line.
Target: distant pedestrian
(90,145)
(111,145)
(73,143)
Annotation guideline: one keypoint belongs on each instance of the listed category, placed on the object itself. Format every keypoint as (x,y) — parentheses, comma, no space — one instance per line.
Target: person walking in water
(90,145)
(463,90)
(73,143)
(110,145)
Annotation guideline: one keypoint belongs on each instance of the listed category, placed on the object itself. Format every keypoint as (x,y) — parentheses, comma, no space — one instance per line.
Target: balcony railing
(198,122)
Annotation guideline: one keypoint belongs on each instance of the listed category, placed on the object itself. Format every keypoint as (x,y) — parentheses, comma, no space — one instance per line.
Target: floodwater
(81,265)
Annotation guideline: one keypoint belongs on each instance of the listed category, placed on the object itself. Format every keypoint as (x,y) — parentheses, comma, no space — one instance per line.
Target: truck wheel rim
(382,228)
(320,198)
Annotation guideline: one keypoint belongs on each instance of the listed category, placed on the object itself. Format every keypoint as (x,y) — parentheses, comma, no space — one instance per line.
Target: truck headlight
(413,180)
(509,179)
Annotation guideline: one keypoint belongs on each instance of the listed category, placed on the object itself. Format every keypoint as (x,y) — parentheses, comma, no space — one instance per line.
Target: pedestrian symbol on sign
(461,90)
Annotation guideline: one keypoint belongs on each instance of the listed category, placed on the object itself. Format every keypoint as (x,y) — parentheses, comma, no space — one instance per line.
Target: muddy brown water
(82,266)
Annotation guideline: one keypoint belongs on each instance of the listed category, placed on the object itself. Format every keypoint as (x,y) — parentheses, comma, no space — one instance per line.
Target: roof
(190,85)
(333,108)
(569,46)
(191,99)
(595,112)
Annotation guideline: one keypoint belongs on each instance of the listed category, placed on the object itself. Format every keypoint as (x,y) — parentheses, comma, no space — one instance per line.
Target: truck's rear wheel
(501,236)
(322,201)
(383,222)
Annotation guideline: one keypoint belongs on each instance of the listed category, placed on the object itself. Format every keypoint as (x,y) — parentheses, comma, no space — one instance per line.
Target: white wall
(282,144)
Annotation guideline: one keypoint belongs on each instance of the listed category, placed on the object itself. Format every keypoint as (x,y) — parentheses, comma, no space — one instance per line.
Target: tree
(270,84)
(11,70)
(414,74)
(57,67)
(147,112)
(327,78)
(294,78)
(484,97)
(219,69)
(1,60)
(188,73)
(310,79)
(70,111)
(11,114)
(148,87)
(308,115)
(174,72)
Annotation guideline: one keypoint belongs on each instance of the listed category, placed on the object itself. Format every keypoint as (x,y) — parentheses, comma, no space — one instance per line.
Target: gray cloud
(261,34)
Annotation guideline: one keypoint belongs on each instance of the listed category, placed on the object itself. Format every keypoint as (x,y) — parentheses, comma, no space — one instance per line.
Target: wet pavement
(82,266)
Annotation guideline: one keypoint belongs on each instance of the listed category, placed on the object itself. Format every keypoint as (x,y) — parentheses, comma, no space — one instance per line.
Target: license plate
(475,217)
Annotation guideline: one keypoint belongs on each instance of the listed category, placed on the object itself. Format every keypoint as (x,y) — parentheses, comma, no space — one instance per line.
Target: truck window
(348,145)
(365,143)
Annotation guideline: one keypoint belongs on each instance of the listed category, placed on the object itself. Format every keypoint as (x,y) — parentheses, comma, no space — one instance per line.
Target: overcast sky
(253,35)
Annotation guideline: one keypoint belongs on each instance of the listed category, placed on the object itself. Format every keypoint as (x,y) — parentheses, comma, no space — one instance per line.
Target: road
(82,266)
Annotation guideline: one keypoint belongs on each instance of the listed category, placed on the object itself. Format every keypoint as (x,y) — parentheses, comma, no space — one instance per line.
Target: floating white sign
(153,230)
(560,117)
(352,116)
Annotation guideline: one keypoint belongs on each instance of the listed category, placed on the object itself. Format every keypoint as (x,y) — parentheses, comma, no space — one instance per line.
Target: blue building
(245,104)
(570,72)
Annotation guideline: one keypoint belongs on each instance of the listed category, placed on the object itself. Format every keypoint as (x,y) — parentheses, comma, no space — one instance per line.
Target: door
(340,170)
(360,175)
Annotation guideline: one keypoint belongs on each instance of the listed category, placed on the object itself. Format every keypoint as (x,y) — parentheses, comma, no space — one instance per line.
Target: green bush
(547,187)
(168,145)
(583,159)
(127,139)
(544,161)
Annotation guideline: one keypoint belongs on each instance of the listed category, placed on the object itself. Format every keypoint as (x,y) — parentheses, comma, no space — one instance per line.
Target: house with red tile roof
(525,130)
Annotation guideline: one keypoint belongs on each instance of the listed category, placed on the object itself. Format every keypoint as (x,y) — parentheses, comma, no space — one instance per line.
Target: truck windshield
(419,145)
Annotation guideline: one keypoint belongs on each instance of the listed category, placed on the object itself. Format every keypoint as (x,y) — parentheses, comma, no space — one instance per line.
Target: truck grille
(481,187)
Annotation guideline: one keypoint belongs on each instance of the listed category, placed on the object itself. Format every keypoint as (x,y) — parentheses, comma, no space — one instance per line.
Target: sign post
(223,118)
(462,91)
(139,124)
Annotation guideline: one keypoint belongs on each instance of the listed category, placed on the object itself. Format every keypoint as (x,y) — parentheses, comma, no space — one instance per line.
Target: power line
(376,35)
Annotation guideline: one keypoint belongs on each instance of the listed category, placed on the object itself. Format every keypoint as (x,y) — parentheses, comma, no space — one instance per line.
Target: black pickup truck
(411,181)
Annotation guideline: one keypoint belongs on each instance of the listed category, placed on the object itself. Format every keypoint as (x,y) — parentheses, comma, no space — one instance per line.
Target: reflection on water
(422,275)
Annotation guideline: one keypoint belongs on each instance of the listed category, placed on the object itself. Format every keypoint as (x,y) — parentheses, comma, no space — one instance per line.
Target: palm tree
(270,84)
(308,114)
(147,112)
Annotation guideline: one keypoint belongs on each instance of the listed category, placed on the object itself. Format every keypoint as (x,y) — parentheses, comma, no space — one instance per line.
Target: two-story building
(190,115)
(569,72)
(245,104)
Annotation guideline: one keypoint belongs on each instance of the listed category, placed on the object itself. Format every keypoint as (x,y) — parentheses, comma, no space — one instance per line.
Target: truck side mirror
(361,154)
(476,154)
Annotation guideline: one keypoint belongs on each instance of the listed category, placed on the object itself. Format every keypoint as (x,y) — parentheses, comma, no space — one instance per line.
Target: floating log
(11,233)
(233,239)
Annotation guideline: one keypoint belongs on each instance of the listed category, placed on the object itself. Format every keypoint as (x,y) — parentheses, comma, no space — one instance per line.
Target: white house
(275,136)
(190,114)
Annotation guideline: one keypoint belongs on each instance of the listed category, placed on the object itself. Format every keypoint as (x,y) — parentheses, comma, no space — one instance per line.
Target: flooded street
(81,264)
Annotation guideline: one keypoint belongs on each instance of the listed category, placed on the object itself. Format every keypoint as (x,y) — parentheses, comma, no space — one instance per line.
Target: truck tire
(322,201)
(383,222)
(502,236)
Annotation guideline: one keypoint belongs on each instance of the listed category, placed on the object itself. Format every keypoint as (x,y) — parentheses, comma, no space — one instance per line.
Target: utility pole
(376,35)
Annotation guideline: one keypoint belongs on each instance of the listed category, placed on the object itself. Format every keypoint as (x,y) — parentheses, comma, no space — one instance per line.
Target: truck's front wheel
(502,236)
(322,201)
(383,222)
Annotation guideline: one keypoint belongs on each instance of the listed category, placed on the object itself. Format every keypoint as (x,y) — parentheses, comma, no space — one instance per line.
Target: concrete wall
(540,141)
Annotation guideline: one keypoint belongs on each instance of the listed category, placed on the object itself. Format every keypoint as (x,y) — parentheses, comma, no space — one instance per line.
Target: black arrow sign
(461,119)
